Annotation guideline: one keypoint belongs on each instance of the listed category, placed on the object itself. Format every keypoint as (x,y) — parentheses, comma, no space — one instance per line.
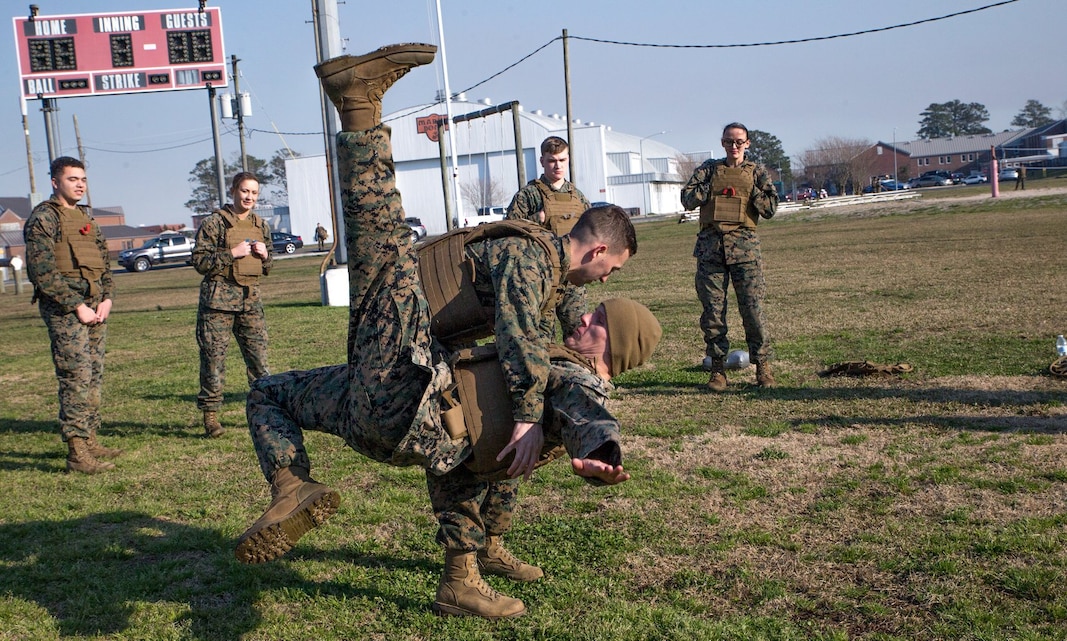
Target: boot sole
(99,466)
(339,64)
(275,539)
(446,610)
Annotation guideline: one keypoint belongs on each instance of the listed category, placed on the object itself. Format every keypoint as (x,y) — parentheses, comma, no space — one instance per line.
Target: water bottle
(1061,345)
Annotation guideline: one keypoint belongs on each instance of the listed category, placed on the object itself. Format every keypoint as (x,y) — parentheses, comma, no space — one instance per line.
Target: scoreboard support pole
(51,136)
(220,179)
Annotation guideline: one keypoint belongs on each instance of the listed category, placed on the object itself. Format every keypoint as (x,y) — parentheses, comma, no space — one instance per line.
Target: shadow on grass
(236,397)
(991,397)
(104,573)
(294,305)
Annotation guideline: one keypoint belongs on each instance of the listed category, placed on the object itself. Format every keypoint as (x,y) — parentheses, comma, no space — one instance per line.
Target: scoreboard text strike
(109,53)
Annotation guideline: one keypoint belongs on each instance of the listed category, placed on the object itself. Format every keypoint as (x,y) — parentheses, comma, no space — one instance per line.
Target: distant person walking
(1020,178)
(732,194)
(67,261)
(233,251)
(320,234)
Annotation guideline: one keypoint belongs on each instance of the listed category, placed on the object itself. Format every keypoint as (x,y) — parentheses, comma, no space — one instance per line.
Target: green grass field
(927,506)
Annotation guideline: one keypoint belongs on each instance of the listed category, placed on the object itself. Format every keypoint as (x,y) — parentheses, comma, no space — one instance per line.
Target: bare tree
(482,192)
(686,165)
(839,162)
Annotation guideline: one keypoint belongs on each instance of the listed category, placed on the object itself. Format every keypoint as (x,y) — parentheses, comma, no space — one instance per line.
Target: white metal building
(637,173)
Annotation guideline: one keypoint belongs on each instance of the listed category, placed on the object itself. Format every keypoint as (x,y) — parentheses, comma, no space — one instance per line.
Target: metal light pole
(644,182)
(896,181)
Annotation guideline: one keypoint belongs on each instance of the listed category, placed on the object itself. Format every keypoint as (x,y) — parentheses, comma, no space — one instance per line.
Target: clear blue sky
(140,148)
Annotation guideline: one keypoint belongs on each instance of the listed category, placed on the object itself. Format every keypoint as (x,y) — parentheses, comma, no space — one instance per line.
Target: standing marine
(732,194)
(68,263)
(233,252)
(555,203)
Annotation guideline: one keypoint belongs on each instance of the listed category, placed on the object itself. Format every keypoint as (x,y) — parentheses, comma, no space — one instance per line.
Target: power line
(799,40)
(151,151)
(667,46)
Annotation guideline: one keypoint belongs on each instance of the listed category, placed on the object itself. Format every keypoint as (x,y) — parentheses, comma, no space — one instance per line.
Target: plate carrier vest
(729,207)
(447,276)
(478,405)
(247,269)
(77,254)
(562,208)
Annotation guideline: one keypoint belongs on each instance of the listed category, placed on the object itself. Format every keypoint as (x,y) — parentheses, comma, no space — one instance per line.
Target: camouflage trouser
(373,401)
(78,355)
(469,509)
(213,330)
(712,280)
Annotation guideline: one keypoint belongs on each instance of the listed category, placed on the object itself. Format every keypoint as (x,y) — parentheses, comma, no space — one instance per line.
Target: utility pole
(29,152)
(239,115)
(567,89)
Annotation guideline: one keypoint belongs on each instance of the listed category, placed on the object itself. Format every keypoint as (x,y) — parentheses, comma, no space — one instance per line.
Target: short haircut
(59,165)
(735,125)
(553,145)
(240,177)
(608,224)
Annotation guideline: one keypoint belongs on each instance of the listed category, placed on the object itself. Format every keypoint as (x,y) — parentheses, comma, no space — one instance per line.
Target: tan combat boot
(80,460)
(764,378)
(495,559)
(356,84)
(299,505)
(212,427)
(463,592)
(98,450)
(717,382)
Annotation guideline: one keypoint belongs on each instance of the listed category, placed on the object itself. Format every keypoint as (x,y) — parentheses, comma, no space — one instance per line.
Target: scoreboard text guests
(128,52)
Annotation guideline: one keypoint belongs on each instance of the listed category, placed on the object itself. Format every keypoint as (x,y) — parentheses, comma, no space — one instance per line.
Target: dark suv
(166,248)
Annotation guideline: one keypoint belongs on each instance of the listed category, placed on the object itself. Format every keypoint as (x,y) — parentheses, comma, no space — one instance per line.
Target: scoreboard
(111,53)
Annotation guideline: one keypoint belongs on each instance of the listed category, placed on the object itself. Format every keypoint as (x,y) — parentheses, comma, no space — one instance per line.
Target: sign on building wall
(110,53)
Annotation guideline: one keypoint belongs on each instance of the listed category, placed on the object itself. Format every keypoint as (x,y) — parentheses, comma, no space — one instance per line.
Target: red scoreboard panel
(109,53)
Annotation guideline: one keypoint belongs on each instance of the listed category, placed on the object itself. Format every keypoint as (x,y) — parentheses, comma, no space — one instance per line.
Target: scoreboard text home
(109,53)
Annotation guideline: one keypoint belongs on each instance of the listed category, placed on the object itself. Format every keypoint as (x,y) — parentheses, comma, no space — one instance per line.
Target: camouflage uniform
(386,403)
(527,204)
(732,255)
(227,306)
(77,349)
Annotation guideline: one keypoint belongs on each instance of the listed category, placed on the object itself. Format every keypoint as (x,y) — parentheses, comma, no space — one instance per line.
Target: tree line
(834,159)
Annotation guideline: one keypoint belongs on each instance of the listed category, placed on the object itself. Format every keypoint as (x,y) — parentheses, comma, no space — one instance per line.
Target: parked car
(937,172)
(956,177)
(168,247)
(418,230)
(1008,173)
(930,180)
(893,185)
(975,179)
(806,193)
(284,242)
